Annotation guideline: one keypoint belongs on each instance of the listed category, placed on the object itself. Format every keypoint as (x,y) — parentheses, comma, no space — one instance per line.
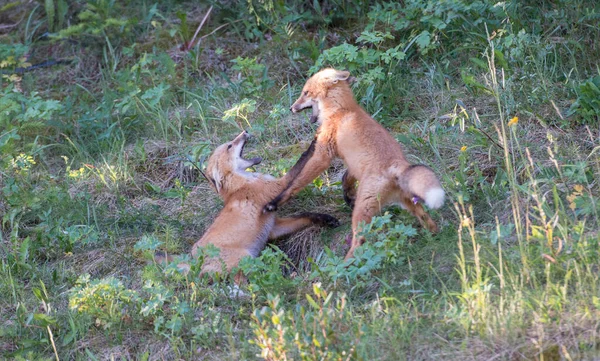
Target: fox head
(226,161)
(321,89)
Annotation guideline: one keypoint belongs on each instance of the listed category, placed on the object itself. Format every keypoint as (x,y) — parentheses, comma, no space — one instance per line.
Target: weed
(315,331)
(104,300)
(587,105)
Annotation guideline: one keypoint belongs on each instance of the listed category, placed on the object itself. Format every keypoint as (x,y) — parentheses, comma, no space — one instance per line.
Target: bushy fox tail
(421,182)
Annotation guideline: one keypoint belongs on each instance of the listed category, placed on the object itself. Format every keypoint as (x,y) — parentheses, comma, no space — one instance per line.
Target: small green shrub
(321,330)
(431,24)
(372,64)
(239,114)
(101,18)
(106,300)
(24,116)
(253,77)
(383,247)
(208,329)
(264,272)
(587,105)
(45,212)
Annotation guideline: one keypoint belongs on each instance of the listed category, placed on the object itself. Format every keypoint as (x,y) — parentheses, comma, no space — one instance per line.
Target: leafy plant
(56,13)
(22,115)
(383,246)
(428,23)
(587,105)
(317,331)
(100,18)
(372,64)
(105,300)
(253,77)
(264,273)
(240,111)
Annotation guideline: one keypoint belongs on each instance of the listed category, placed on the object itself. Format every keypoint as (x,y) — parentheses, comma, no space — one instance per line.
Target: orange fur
(374,158)
(241,228)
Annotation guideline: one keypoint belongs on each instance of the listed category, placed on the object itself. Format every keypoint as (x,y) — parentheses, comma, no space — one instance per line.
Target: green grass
(96,175)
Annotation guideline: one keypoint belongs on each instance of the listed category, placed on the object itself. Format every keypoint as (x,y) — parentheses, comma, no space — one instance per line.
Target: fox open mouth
(314,116)
(253,161)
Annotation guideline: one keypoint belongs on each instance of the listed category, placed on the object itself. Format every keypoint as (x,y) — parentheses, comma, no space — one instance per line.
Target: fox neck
(231,184)
(235,182)
(338,99)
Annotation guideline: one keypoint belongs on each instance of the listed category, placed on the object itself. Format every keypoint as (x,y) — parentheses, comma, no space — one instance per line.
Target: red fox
(241,228)
(374,158)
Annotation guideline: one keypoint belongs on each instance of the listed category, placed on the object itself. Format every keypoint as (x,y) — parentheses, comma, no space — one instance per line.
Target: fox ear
(340,75)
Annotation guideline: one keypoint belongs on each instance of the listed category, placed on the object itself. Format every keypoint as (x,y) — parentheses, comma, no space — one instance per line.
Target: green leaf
(423,40)
(500,59)
(44,320)
(147,243)
(312,302)
(37,293)
(480,63)
(24,251)
(50,13)
(175,324)
(6,137)
(61,8)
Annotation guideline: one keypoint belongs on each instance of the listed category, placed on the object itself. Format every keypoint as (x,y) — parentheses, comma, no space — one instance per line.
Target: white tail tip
(434,198)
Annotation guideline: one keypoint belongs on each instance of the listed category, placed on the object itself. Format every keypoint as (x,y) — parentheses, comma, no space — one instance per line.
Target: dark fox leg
(349,188)
(312,163)
(414,207)
(321,219)
(286,226)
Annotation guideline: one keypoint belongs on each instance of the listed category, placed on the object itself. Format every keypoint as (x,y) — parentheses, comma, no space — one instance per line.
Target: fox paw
(326,220)
(349,200)
(270,207)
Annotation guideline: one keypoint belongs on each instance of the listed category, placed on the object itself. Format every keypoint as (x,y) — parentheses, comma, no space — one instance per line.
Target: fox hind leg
(363,212)
(417,210)
(368,204)
(286,226)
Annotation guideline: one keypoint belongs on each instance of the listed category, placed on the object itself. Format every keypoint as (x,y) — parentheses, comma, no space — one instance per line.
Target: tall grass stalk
(475,290)
(507,155)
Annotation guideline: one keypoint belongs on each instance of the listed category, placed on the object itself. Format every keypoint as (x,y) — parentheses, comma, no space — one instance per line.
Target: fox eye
(229,146)
(305,92)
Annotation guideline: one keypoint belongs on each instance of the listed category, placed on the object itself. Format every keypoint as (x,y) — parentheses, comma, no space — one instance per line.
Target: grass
(97,172)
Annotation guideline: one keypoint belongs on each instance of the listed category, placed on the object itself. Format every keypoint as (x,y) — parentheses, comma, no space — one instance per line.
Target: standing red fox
(241,228)
(372,155)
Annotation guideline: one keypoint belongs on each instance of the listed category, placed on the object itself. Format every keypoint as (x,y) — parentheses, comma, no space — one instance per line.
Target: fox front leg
(310,164)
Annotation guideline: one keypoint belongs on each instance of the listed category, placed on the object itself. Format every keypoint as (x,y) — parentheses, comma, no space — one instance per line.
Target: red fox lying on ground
(241,228)
(374,158)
